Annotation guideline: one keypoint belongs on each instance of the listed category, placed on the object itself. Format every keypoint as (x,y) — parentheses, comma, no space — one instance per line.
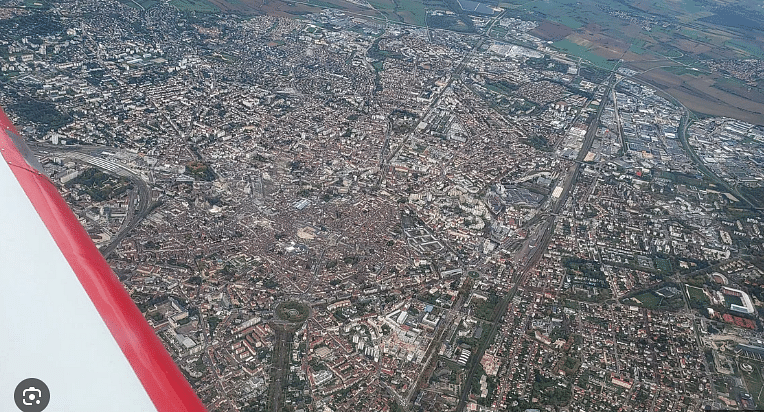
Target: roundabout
(293,311)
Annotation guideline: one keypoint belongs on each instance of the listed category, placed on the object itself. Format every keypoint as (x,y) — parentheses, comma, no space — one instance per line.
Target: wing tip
(6,123)
(160,375)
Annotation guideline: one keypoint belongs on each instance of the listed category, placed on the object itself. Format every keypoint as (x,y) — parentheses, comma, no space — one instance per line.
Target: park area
(293,311)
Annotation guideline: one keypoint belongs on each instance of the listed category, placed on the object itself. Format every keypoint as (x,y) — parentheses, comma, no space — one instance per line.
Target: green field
(664,265)
(637,46)
(650,300)
(683,71)
(753,380)
(415,8)
(554,10)
(733,300)
(382,4)
(568,21)
(746,47)
(574,49)
(698,299)
(199,6)
(408,11)
(691,6)
(327,5)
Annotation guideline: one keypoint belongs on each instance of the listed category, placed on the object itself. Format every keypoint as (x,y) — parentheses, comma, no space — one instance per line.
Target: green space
(664,265)
(742,89)
(754,194)
(744,46)
(567,20)
(199,6)
(733,300)
(42,113)
(382,4)
(753,380)
(538,142)
(683,71)
(595,295)
(327,5)
(503,87)
(693,34)
(664,50)
(293,311)
(549,391)
(650,300)
(571,365)
(484,308)
(200,170)
(213,322)
(415,8)
(690,6)
(554,10)
(698,299)
(577,50)
(637,46)
(684,179)
(100,186)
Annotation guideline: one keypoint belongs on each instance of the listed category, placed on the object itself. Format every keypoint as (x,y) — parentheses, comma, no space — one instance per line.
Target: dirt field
(549,30)
(698,91)
(691,46)
(755,94)
(699,95)
(600,44)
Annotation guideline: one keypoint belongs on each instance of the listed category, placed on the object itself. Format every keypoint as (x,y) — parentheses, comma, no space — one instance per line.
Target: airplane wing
(65,319)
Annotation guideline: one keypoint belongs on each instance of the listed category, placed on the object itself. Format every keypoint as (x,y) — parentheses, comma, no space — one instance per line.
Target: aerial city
(417,205)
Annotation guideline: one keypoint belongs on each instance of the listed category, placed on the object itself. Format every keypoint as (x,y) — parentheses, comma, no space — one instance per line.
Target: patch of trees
(546,63)
(484,308)
(376,53)
(754,194)
(200,170)
(549,392)
(99,185)
(457,8)
(448,22)
(36,24)
(583,267)
(538,142)
(44,114)
(213,323)
(270,283)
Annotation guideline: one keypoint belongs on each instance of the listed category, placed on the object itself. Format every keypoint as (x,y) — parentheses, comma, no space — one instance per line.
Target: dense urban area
(337,213)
